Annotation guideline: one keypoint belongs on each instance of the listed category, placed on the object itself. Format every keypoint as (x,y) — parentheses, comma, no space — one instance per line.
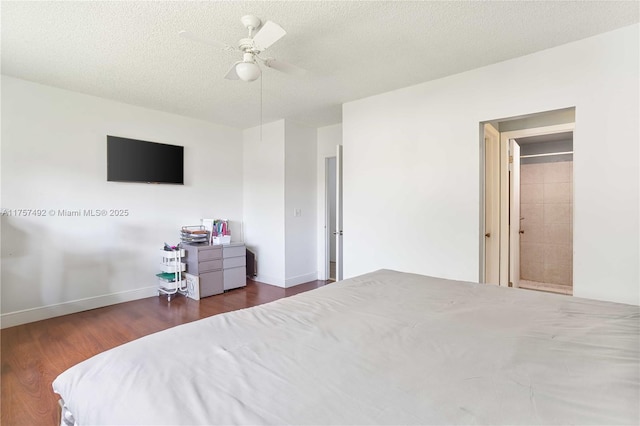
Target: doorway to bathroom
(527,223)
(546,212)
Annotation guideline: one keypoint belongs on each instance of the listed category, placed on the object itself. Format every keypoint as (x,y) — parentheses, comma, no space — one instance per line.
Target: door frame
(488,130)
(514,213)
(339,218)
(504,187)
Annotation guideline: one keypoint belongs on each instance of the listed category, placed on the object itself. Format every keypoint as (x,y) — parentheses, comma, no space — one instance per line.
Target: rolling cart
(171,280)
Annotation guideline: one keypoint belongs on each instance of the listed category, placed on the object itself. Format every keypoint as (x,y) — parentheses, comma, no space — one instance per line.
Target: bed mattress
(383,348)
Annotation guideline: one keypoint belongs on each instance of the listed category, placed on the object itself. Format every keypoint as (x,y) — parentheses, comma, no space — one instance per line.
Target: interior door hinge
(510,159)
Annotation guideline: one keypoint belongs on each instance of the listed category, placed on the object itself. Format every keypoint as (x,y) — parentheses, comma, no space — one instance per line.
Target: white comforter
(383,348)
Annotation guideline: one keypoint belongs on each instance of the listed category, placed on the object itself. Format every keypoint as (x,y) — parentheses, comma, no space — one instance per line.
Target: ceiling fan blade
(219,45)
(268,34)
(232,74)
(284,67)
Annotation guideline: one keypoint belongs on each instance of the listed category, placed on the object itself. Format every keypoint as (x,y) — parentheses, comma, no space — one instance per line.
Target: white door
(491,205)
(514,213)
(338,231)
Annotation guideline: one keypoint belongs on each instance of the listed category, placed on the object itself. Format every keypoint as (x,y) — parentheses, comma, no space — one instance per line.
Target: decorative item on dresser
(194,234)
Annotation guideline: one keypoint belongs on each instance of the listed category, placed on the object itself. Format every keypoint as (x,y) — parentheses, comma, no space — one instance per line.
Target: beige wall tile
(532,173)
(557,274)
(546,252)
(558,172)
(557,233)
(531,252)
(533,232)
(532,213)
(531,193)
(558,254)
(533,271)
(557,193)
(557,269)
(557,213)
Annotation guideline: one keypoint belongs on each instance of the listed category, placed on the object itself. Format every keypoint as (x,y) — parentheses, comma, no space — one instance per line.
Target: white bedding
(383,348)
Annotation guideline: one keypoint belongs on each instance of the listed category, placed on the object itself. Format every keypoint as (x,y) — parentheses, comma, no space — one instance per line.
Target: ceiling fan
(251,47)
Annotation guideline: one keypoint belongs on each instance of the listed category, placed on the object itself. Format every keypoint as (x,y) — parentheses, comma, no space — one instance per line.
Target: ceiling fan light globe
(248,71)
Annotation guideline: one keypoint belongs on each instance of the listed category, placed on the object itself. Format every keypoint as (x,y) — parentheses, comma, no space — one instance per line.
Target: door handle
(488,235)
(521,231)
(337,233)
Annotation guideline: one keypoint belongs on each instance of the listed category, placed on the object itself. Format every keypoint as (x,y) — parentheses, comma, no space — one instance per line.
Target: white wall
(411,164)
(328,138)
(300,194)
(279,176)
(263,199)
(54,157)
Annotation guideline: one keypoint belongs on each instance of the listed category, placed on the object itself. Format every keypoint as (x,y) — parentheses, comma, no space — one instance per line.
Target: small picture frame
(193,286)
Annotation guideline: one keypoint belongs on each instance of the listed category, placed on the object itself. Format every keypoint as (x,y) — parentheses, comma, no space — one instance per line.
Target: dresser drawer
(209,254)
(234,262)
(211,283)
(211,265)
(235,277)
(233,251)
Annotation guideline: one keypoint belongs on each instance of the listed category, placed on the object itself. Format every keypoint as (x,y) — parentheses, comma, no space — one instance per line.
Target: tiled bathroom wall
(546,209)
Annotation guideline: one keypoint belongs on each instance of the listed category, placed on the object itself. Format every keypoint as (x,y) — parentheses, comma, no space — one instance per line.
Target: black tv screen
(131,160)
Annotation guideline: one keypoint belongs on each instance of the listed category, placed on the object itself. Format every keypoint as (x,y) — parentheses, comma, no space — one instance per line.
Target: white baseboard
(11,319)
(300,279)
(269,280)
(289,282)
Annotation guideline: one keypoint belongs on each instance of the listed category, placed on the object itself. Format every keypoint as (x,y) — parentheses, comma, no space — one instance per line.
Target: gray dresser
(219,267)
(234,265)
(206,263)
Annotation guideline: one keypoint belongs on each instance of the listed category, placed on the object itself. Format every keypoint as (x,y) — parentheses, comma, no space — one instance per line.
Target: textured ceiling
(131,52)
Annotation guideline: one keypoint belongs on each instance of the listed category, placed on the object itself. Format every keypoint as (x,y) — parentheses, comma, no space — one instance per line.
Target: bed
(382,348)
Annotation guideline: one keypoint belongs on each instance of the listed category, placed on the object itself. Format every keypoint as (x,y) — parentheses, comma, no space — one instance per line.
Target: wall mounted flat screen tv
(131,160)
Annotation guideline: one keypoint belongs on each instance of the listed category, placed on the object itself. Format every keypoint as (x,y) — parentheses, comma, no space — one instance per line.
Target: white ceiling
(130,51)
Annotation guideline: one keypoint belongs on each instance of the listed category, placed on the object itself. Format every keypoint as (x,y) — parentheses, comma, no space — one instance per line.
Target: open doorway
(330,248)
(527,193)
(330,217)
(546,209)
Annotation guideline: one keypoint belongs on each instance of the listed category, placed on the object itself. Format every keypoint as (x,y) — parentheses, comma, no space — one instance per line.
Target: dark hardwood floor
(33,355)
